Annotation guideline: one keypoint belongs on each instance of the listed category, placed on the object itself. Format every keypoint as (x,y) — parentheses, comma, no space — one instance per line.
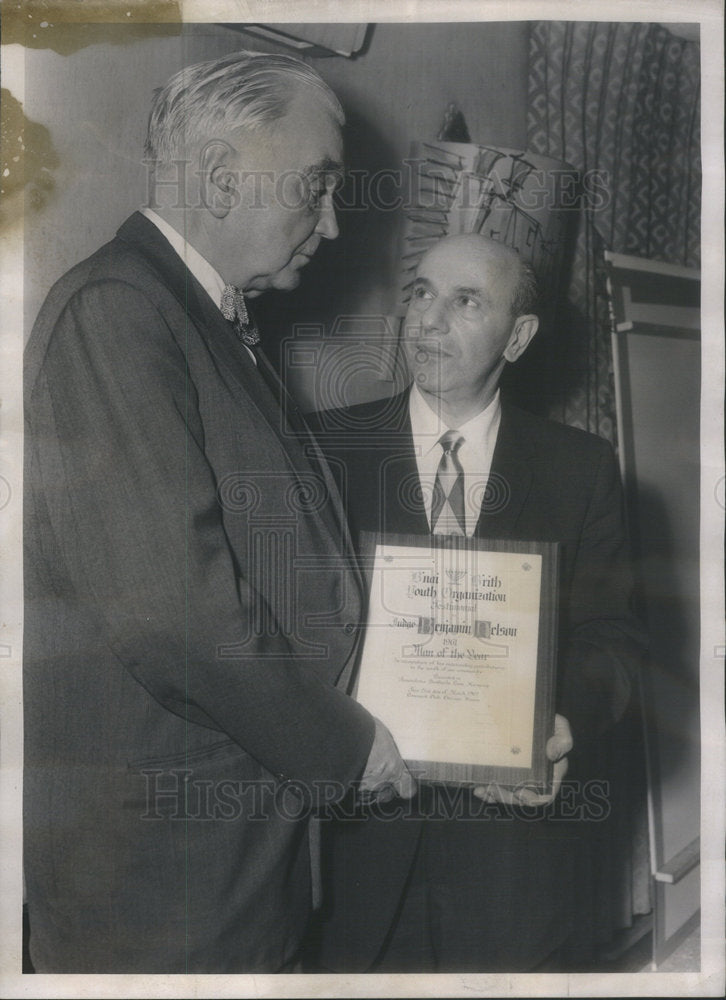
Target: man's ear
(524,329)
(219,179)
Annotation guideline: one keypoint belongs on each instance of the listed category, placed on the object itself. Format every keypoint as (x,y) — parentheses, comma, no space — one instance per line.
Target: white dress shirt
(210,280)
(475,453)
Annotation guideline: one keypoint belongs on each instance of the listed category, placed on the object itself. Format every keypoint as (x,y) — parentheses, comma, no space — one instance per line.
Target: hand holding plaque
(558,747)
(385,776)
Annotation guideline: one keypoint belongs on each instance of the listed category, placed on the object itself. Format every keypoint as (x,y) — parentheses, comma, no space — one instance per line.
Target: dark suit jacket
(189,610)
(548,482)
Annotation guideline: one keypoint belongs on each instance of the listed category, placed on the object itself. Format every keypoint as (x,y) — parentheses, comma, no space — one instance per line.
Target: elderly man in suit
(488,880)
(192,605)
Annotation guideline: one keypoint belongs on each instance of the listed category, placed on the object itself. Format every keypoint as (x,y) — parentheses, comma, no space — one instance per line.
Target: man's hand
(558,746)
(385,775)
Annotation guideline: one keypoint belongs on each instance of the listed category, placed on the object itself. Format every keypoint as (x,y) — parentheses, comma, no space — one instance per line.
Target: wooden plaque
(458,659)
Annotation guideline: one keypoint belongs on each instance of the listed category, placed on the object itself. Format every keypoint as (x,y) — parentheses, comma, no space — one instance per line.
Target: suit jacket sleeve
(603,641)
(131,501)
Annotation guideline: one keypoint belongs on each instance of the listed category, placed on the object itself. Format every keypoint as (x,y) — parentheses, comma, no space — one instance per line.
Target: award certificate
(459,652)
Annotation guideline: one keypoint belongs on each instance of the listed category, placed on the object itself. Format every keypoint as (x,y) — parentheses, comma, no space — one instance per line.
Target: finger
(494,793)
(371,784)
(526,797)
(556,748)
(406,786)
(558,773)
(402,784)
(370,796)
(560,743)
(529,797)
(385,794)
(380,773)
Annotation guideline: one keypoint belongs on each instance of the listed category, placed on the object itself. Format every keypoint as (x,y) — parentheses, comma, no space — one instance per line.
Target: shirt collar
(428,426)
(212,283)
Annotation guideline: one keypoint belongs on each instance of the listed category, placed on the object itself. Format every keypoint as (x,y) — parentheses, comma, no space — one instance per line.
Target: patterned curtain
(621,103)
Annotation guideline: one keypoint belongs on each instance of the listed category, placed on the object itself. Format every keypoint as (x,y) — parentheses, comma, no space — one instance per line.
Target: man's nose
(435,318)
(327,226)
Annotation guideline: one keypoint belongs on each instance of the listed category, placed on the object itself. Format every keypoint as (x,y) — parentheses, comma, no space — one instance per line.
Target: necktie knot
(451,441)
(234,309)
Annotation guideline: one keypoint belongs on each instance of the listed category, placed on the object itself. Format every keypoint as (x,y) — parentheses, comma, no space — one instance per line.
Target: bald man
(467,883)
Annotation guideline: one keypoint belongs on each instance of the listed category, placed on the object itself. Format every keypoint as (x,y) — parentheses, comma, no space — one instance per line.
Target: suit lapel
(224,344)
(403,509)
(308,445)
(510,480)
(219,335)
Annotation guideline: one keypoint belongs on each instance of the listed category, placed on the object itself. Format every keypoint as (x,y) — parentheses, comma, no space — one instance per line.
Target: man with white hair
(192,603)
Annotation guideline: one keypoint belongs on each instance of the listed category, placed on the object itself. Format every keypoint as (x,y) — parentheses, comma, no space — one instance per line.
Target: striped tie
(447,505)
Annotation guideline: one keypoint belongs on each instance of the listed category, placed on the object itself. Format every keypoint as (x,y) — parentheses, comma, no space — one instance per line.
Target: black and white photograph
(362,499)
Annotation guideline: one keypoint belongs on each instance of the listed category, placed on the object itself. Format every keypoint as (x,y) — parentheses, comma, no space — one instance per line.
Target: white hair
(242,90)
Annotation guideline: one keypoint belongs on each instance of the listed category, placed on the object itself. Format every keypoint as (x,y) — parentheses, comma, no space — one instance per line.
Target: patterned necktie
(447,504)
(234,309)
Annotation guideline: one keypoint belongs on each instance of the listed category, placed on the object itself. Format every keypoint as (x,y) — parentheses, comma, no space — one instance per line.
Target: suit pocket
(197,783)
(191,757)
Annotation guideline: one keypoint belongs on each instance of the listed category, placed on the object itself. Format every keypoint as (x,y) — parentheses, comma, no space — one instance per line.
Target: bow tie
(234,309)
